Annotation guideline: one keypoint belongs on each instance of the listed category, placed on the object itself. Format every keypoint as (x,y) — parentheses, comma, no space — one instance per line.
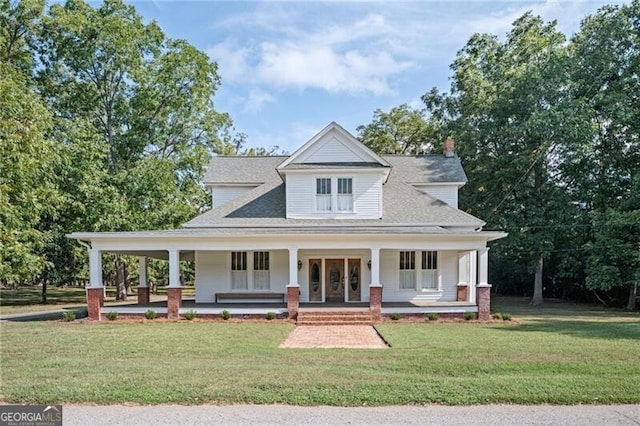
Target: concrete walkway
(54,314)
(334,336)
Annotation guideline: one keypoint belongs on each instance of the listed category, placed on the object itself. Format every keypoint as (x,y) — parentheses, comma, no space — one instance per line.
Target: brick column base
(484,302)
(174,301)
(293,300)
(375,301)
(143,295)
(95,300)
(462,293)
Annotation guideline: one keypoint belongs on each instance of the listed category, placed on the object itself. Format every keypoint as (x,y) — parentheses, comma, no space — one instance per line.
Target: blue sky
(290,68)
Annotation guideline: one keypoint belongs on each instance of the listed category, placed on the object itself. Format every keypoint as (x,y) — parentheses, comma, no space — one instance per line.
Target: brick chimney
(449,147)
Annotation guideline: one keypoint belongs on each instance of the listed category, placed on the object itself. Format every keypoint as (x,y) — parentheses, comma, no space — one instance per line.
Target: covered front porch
(260,310)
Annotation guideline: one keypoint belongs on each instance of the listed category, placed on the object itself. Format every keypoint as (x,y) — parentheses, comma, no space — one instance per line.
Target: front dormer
(334,176)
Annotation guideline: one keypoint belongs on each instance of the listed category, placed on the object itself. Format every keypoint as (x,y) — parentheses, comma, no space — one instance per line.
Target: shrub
(496,316)
(112,315)
(271,315)
(69,316)
(468,316)
(191,314)
(395,316)
(150,314)
(433,316)
(506,317)
(225,315)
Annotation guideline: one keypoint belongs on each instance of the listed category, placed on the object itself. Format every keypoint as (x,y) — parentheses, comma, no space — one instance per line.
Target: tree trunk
(44,292)
(121,290)
(537,285)
(633,294)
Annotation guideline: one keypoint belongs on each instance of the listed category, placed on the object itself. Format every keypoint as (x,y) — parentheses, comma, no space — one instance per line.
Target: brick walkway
(334,336)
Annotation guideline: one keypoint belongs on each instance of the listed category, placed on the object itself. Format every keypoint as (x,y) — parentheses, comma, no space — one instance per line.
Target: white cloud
(322,67)
(257,98)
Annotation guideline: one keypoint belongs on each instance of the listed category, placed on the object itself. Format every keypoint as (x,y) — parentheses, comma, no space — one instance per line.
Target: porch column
(375,288)
(293,288)
(463,276)
(473,275)
(95,291)
(484,289)
(143,287)
(174,290)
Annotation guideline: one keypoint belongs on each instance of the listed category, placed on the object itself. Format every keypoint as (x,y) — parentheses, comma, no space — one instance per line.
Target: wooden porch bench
(246,296)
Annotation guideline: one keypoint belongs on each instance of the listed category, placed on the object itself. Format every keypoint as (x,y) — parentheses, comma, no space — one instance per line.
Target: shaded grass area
(29,299)
(534,362)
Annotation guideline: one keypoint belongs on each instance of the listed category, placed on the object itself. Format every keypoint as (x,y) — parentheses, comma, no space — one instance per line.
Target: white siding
(213,273)
(446,193)
(367,196)
(330,151)
(221,195)
(447,277)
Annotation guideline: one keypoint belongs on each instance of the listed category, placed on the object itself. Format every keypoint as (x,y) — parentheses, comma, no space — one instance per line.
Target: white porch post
(142,271)
(293,266)
(293,288)
(143,287)
(174,290)
(95,268)
(473,275)
(484,266)
(174,268)
(484,289)
(96,289)
(375,266)
(463,290)
(375,289)
(463,268)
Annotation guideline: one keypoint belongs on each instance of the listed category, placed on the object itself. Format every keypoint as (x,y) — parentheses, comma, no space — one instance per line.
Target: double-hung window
(340,200)
(323,194)
(261,270)
(345,194)
(239,277)
(407,270)
(429,270)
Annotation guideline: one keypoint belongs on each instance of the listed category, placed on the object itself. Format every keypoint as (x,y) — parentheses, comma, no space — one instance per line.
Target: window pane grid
(261,261)
(429,260)
(407,260)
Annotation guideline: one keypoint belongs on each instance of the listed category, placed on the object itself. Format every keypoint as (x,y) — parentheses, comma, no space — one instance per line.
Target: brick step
(318,324)
(334,318)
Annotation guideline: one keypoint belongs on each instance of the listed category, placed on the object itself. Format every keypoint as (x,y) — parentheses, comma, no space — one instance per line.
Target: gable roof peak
(336,136)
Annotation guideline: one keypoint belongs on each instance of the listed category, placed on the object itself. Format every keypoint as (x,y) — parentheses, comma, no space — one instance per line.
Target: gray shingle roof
(403,204)
(426,168)
(239,169)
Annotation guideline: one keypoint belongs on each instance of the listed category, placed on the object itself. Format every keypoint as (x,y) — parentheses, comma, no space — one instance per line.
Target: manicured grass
(534,362)
(28,299)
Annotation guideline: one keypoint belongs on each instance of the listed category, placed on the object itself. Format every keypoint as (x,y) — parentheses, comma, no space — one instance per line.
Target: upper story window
(339,201)
(323,194)
(345,194)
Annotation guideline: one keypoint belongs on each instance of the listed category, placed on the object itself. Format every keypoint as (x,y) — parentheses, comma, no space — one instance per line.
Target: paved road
(499,415)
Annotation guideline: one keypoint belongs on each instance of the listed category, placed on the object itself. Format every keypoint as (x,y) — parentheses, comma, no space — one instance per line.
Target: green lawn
(540,360)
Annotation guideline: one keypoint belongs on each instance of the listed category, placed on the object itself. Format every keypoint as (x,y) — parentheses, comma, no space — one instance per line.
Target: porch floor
(418,307)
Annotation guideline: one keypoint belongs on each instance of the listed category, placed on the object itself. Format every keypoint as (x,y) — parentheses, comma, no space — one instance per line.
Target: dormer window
(323,194)
(345,195)
(340,201)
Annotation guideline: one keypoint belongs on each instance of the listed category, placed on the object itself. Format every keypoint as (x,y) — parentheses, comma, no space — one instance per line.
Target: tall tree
(402,130)
(510,111)
(606,54)
(27,190)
